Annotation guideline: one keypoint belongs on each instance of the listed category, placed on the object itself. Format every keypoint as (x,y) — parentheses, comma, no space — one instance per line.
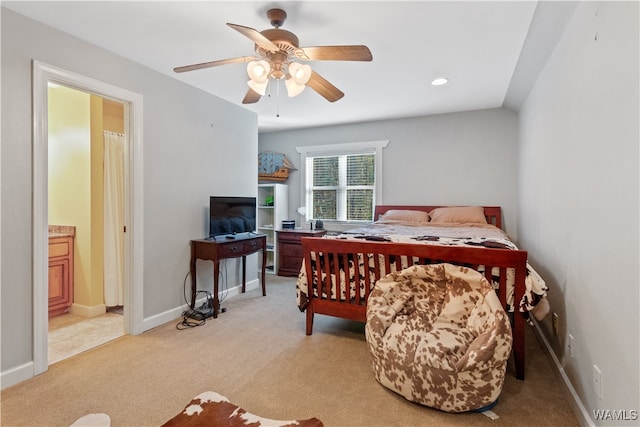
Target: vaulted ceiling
(490,51)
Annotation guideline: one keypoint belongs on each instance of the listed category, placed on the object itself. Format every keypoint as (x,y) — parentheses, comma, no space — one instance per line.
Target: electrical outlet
(597,381)
(572,347)
(554,321)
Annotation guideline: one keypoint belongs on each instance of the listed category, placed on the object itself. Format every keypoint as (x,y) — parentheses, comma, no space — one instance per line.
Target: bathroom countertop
(61,231)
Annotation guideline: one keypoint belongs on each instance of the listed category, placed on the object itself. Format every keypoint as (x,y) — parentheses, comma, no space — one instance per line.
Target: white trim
(338,149)
(88,311)
(346,147)
(175,313)
(572,395)
(26,371)
(40,220)
(42,74)
(16,375)
(0,212)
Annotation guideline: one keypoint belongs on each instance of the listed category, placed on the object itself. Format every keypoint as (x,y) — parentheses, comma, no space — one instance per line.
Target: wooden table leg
(216,300)
(192,272)
(244,273)
(264,267)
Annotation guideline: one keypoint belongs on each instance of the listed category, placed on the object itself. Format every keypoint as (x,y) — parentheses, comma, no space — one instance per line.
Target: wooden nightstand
(290,250)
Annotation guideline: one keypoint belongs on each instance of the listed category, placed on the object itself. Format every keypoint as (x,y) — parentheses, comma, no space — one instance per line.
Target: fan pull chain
(278,98)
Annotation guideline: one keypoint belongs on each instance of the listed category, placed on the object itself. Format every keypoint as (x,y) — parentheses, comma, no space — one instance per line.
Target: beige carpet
(257,355)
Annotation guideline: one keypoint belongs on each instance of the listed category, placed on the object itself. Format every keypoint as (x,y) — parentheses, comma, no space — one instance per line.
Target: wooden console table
(223,248)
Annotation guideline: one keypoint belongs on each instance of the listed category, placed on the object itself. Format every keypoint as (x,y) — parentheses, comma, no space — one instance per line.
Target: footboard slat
(502,291)
(487,274)
(345,268)
(327,276)
(335,258)
(376,268)
(376,259)
(366,271)
(399,262)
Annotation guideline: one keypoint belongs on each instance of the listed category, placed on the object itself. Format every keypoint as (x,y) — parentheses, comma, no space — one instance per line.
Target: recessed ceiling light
(439,81)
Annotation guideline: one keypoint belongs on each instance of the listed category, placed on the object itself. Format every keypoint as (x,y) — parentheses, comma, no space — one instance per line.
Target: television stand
(217,250)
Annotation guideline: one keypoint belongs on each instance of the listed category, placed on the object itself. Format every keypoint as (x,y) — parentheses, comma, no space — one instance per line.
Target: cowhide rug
(93,420)
(212,409)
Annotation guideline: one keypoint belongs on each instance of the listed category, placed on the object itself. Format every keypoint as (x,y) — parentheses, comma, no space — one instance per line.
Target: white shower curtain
(114,144)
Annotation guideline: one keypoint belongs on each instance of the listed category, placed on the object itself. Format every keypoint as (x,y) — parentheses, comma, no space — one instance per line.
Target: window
(341,181)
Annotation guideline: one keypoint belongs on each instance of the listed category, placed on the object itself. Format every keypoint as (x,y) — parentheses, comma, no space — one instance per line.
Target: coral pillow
(459,215)
(405,215)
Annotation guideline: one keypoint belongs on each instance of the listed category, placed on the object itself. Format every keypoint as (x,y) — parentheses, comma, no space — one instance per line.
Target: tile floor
(70,334)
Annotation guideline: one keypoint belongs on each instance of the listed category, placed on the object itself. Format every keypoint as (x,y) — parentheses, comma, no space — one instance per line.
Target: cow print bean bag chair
(438,336)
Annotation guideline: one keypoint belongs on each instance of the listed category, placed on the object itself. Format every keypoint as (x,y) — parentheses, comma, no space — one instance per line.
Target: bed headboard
(492,213)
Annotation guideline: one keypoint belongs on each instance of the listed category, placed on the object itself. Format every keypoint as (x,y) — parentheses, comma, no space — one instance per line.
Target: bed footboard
(341,273)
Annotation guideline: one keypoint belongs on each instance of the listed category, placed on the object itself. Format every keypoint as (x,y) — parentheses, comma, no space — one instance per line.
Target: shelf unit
(270,218)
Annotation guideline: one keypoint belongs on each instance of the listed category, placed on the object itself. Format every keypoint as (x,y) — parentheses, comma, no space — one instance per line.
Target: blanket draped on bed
(471,235)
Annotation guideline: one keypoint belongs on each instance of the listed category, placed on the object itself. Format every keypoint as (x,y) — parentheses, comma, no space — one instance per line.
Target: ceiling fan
(278,57)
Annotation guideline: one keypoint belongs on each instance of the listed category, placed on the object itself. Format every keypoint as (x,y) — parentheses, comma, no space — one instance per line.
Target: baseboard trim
(88,310)
(16,375)
(26,371)
(576,404)
(175,313)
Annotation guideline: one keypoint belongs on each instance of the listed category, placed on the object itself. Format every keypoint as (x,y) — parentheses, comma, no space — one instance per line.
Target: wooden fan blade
(335,53)
(324,88)
(251,97)
(213,64)
(256,36)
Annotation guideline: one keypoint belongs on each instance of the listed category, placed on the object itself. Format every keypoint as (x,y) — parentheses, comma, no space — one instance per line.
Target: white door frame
(133,256)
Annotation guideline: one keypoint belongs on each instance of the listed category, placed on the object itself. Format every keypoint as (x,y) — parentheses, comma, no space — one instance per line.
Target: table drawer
(59,247)
(252,246)
(295,236)
(231,249)
(290,237)
(287,249)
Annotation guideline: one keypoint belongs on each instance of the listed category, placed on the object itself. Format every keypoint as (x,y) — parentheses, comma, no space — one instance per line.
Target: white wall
(578,199)
(195,145)
(464,158)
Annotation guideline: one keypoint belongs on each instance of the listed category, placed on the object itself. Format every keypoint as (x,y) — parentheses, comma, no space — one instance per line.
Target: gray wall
(464,158)
(195,145)
(578,198)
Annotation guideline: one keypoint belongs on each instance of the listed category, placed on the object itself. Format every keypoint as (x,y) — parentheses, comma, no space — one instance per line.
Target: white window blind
(341,181)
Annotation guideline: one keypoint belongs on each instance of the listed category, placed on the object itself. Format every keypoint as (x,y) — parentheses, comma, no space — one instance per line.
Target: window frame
(349,148)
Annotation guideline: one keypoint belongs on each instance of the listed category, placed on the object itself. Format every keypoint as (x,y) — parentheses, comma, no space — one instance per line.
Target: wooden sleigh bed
(330,264)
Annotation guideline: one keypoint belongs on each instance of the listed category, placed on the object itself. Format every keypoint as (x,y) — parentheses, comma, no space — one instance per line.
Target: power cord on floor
(190,317)
(198,317)
(190,320)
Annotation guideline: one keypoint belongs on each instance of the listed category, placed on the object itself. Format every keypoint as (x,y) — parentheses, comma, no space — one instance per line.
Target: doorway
(133,259)
(86,146)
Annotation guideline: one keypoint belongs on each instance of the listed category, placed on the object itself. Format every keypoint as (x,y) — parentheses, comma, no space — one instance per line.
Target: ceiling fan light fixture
(258,71)
(260,88)
(293,88)
(275,48)
(300,73)
(297,78)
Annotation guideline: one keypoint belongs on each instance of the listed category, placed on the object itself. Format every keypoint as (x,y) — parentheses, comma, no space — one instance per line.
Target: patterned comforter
(479,235)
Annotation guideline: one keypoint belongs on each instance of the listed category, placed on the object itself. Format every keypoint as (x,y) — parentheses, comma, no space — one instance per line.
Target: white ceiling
(476,44)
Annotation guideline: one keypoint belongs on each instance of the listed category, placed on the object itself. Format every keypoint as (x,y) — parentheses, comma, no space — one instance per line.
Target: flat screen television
(231,215)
